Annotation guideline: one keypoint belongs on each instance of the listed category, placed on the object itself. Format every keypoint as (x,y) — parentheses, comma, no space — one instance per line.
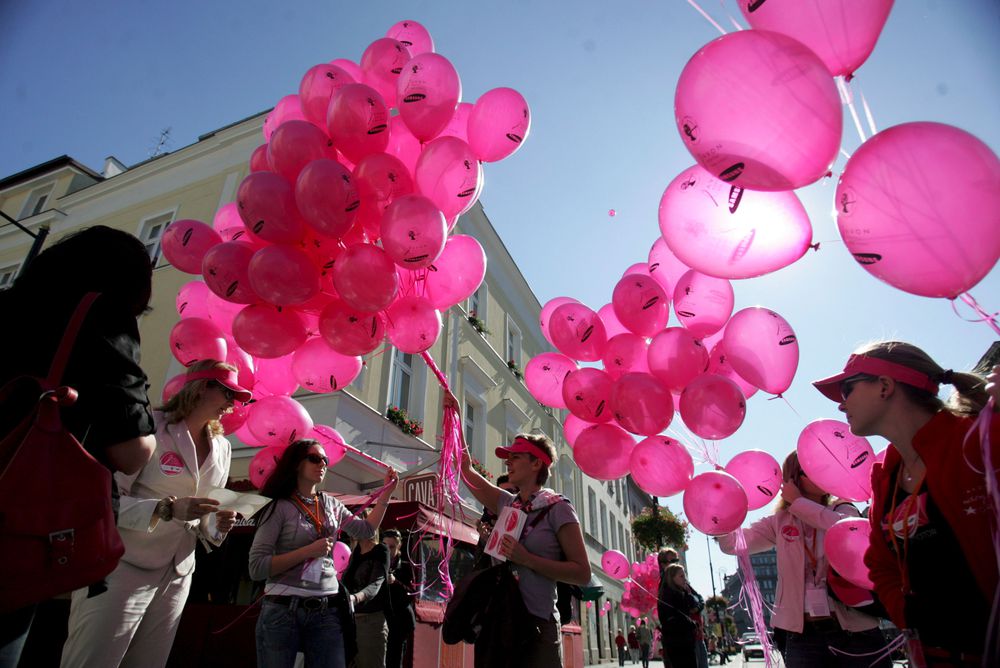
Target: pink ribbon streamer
(984,316)
(982,424)
(752,597)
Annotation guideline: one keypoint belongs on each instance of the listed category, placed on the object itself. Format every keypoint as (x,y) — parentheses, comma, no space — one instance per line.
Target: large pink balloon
(327,197)
(278,420)
(192,300)
(547,311)
(841,32)
(712,407)
(664,266)
(267,206)
(222,312)
(603,451)
(544,376)
(381,179)
(760,110)
(702,303)
(350,331)
(612,325)
(458,126)
(289,108)
(263,464)
(414,232)
(412,35)
(235,418)
(457,273)
(294,145)
(837,460)
(572,426)
(351,67)
(587,394)
(268,331)
(382,62)
(319,368)
(274,376)
(428,91)
(641,304)
(226,267)
(193,339)
(414,324)
(449,174)
(641,404)
(676,357)
(845,544)
(762,348)
(661,466)
(283,275)
(715,503)
(499,124)
(228,215)
(317,87)
(402,144)
(760,475)
(615,564)
(626,353)
(185,243)
(918,206)
(726,231)
(258,159)
(578,332)
(718,364)
(365,277)
(332,442)
(358,121)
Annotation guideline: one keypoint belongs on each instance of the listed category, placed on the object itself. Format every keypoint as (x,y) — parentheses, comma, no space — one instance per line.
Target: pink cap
(872,366)
(224,377)
(524,445)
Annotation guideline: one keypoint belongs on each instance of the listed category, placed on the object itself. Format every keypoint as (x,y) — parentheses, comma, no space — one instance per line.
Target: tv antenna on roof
(161,144)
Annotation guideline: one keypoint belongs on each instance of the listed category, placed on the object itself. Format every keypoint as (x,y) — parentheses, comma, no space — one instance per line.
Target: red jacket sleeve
(883,568)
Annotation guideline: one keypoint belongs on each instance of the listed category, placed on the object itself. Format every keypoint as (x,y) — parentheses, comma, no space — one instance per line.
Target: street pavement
(735,661)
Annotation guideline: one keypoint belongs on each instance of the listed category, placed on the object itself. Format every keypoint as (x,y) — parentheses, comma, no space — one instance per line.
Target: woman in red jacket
(930,510)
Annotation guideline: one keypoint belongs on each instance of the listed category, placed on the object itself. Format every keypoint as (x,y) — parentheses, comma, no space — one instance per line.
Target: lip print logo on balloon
(790,533)
(735,195)
(690,127)
(171,464)
(754,5)
(846,202)
(867,258)
(732,172)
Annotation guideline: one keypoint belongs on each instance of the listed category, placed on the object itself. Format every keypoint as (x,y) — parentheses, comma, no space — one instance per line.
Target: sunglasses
(847,386)
(230,395)
(313,458)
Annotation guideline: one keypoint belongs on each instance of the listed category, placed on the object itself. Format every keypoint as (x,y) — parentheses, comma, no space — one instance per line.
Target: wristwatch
(165,509)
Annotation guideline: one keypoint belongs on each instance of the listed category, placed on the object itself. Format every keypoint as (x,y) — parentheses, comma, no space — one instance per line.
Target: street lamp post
(711,569)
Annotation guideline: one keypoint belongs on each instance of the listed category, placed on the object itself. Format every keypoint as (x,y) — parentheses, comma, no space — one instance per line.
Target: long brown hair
(792,471)
(671,573)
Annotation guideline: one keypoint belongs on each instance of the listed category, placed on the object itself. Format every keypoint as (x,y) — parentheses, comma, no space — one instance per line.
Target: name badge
(817,603)
(171,464)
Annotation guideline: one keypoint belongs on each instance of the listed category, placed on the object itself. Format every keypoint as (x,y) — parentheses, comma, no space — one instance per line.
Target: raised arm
(485,492)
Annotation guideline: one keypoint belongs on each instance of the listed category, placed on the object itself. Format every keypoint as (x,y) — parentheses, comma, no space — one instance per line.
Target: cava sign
(421,488)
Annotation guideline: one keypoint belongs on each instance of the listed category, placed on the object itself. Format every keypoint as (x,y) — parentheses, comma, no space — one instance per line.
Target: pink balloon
(702,303)
(762,348)
(267,206)
(192,300)
(641,404)
(350,331)
(664,266)
(718,364)
(274,376)
(245,437)
(243,361)
(449,174)
(382,62)
(289,108)
(639,268)
(931,240)
(603,451)
(317,87)
(641,304)
(712,407)
(841,32)
(413,232)
(715,503)
(365,278)
(226,267)
(222,312)
(283,275)
(547,311)
(458,126)
(358,121)
(612,325)
(414,324)
(499,124)
(185,243)
(726,231)
(294,145)
(341,554)
(676,357)
(626,353)
(279,420)
(661,466)
(428,92)
(319,368)
(193,339)
(760,475)
(760,110)
(172,387)
(845,544)
(578,332)
(351,67)
(615,564)
(587,394)
(227,216)
(331,441)
(412,35)
(263,464)
(402,144)
(258,159)
(235,418)
(457,273)
(268,331)
(572,426)
(836,460)
(544,376)
(327,196)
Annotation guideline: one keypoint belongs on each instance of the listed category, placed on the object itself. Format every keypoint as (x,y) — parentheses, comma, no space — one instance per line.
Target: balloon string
(984,316)
(879,654)
(736,24)
(868,115)
(752,596)
(707,17)
(847,98)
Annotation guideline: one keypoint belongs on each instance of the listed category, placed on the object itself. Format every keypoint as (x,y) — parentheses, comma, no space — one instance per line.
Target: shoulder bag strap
(61,358)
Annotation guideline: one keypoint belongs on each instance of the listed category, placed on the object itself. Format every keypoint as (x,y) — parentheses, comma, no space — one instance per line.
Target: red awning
(416,517)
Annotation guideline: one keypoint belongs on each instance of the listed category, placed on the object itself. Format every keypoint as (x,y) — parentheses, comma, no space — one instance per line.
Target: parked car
(752,649)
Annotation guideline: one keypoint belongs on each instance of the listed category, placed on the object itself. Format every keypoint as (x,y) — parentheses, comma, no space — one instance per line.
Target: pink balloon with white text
(676,357)
(762,348)
(703,304)
(661,466)
(544,376)
(715,503)
(836,460)
(760,475)
(428,92)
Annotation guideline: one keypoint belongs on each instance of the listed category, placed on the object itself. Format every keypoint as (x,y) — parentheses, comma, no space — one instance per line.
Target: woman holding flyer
(550,544)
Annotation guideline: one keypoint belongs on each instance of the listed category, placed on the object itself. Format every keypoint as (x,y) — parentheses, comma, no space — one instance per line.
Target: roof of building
(46,167)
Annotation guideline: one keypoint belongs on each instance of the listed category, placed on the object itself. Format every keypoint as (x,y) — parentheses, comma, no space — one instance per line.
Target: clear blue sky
(97,79)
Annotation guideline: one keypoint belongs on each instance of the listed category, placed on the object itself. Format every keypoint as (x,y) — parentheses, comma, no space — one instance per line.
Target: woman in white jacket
(815,623)
(164,511)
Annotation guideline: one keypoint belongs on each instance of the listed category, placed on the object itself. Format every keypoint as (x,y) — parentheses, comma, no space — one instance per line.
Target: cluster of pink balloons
(340,235)
(641,589)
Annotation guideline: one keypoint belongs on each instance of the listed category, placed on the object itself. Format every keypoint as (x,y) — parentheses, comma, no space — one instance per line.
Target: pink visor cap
(526,446)
(872,366)
(224,377)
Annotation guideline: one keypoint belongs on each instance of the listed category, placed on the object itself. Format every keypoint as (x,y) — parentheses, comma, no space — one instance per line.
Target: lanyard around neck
(908,506)
(314,514)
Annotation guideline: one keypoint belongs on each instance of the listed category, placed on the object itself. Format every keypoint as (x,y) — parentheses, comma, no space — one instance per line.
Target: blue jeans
(284,630)
(812,649)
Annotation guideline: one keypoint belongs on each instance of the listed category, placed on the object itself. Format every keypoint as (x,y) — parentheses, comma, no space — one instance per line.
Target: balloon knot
(815,246)
(848,77)
(777,396)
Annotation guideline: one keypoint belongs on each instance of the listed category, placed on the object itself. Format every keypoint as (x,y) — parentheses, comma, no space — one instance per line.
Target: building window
(151,233)
(621,536)
(604,525)
(401,379)
(592,508)
(7,276)
(513,347)
(36,202)
(477,303)
(474,427)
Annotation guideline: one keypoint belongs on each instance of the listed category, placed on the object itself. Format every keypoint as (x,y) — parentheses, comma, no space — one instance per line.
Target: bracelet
(165,509)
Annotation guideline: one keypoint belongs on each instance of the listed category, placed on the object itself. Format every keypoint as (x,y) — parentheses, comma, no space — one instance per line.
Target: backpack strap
(61,358)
